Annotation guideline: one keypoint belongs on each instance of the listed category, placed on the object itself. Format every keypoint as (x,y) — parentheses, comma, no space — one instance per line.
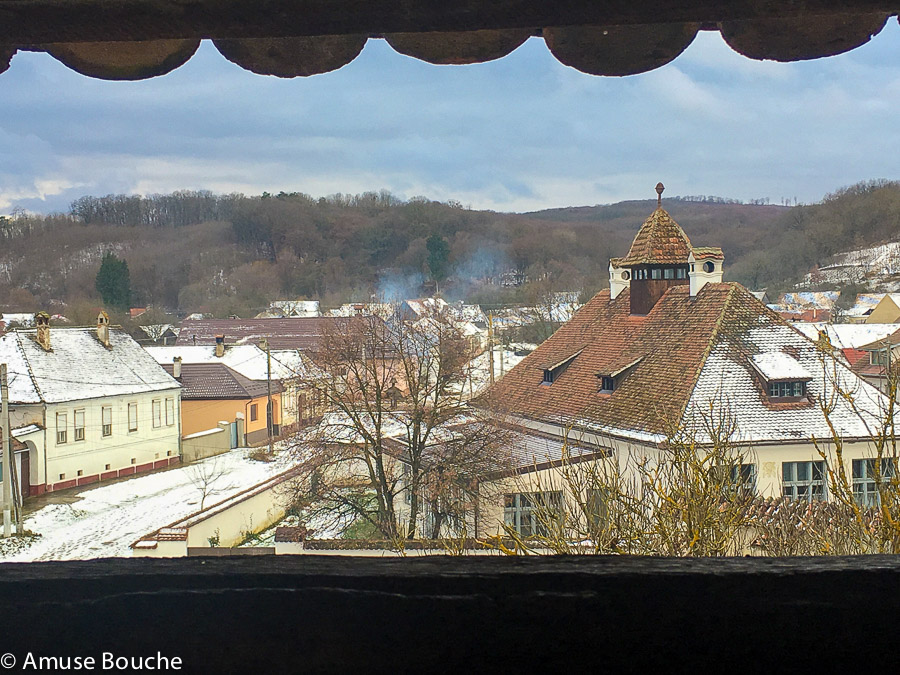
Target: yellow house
(887,310)
(213,392)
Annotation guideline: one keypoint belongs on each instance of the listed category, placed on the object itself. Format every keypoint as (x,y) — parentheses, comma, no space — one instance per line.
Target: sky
(520,133)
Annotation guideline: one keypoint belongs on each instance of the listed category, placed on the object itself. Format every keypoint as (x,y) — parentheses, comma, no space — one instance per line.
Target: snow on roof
(248,360)
(823,299)
(848,335)
(78,367)
(728,383)
(156,331)
(779,366)
(27,429)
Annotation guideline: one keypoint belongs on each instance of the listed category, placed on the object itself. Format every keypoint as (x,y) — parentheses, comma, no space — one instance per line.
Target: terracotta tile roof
(671,343)
(687,353)
(660,241)
(707,252)
(304,333)
(218,381)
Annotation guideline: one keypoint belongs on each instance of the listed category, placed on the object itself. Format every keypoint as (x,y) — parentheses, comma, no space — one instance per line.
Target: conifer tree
(113,282)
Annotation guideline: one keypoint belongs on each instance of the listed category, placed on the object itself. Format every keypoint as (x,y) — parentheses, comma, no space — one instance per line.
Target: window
(669,273)
(708,267)
(548,376)
(132,417)
(607,383)
(62,435)
(107,421)
(157,413)
(865,484)
(656,273)
(787,389)
(743,478)
(681,273)
(254,412)
(878,358)
(170,412)
(803,481)
(79,472)
(597,508)
(79,425)
(529,513)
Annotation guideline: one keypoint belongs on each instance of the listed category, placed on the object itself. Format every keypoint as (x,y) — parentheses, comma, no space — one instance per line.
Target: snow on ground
(504,360)
(104,521)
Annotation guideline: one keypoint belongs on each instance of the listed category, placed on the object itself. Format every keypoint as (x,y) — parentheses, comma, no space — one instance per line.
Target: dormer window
(554,370)
(610,381)
(784,376)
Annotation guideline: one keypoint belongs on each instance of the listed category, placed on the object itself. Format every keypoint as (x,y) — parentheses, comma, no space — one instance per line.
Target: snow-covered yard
(104,521)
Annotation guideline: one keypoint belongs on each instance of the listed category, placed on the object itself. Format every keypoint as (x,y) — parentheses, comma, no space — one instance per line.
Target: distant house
(159,334)
(300,333)
(289,309)
(290,369)
(863,307)
(213,392)
(887,310)
(89,403)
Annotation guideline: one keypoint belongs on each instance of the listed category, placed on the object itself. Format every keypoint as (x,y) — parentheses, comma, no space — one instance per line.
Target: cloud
(520,133)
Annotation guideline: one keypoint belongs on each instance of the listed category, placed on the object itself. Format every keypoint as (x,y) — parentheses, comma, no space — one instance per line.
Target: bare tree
(400,442)
(207,477)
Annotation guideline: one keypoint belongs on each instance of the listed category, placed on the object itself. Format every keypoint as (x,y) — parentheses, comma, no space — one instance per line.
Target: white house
(89,403)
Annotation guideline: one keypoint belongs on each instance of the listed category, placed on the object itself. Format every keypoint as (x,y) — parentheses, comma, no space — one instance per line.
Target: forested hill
(196,251)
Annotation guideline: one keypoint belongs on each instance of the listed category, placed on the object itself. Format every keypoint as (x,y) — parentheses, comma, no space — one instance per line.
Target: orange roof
(660,241)
(668,348)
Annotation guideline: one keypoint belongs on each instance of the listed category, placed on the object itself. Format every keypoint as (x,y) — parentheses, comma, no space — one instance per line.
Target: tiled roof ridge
(27,363)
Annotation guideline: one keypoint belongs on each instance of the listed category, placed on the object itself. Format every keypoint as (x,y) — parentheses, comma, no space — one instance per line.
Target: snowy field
(104,521)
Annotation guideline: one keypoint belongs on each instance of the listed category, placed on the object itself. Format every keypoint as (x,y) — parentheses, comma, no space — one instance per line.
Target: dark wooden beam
(298,614)
(31,22)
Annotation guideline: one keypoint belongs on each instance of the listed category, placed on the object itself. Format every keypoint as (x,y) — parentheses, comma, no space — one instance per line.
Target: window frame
(795,488)
(156,412)
(866,488)
(779,391)
(132,428)
(170,412)
(521,510)
(78,437)
(62,436)
(106,426)
(254,412)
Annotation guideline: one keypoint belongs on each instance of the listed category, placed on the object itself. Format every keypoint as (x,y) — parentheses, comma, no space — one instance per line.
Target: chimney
(619,280)
(176,368)
(220,346)
(103,328)
(42,322)
(705,268)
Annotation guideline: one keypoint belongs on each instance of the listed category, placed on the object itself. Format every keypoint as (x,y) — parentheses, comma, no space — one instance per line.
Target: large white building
(89,404)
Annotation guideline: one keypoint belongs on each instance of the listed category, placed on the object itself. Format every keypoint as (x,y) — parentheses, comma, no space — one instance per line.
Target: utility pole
(490,318)
(270,410)
(7,457)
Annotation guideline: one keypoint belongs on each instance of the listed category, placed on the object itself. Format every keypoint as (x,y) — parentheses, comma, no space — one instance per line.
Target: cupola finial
(659,190)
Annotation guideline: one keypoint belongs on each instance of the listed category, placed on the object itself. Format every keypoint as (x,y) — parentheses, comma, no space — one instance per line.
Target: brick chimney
(220,346)
(42,323)
(176,368)
(103,329)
